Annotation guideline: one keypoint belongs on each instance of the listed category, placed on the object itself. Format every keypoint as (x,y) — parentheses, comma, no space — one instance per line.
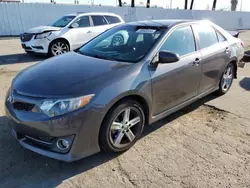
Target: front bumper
(40,46)
(83,124)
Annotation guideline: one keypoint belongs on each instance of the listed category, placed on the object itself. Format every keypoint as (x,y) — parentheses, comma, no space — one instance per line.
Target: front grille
(26,37)
(23,106)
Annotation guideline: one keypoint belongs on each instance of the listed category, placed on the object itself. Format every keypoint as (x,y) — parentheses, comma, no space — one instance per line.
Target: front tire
(122,127)
(58,47)
(226,79)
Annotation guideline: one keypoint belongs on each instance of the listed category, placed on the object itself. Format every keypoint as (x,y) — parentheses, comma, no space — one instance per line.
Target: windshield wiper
(99,56)
(103,57)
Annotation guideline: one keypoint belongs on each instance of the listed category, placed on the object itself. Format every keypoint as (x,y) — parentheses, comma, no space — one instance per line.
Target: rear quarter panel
(237,50)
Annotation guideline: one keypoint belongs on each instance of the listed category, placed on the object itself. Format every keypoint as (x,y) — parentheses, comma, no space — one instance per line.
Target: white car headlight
(59,107)
(43,35)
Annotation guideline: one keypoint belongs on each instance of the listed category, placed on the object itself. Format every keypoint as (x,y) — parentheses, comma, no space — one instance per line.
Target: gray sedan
(100,96)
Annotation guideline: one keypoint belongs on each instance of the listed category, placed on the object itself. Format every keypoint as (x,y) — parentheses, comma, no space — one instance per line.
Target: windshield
(123,43)
(62,22)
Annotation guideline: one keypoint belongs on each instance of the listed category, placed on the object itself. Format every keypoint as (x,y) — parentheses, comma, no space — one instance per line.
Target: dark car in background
(100,96)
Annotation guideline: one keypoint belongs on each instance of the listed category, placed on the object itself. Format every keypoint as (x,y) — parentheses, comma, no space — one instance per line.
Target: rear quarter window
(112,19)
(221,38)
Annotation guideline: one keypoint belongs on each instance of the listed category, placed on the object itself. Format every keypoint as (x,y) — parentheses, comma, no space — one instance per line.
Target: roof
(91,13)
(159,23)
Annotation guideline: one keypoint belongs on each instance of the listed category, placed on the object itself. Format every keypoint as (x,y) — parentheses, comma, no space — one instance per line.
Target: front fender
(136,82)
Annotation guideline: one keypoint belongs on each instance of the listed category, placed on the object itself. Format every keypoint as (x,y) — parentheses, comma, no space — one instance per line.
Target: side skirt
(182,105)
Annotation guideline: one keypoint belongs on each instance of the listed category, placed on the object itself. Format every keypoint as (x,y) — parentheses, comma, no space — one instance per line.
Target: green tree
(234,4)
(120,3)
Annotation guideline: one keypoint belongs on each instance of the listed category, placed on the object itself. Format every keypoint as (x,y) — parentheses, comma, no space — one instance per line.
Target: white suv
(68,33)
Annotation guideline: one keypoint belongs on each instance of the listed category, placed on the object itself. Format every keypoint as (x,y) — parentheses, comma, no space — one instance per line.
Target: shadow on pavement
(176,115)
(20,167)
(245,83)
(20,58)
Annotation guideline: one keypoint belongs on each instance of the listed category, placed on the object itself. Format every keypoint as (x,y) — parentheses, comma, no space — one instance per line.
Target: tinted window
(180,41)
(112,19)
(83,21)
(123,43)
(207,35)
(221,38)
(98,20)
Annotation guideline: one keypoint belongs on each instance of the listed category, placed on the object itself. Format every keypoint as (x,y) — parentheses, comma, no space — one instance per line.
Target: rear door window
(99,20)
(112,19)
(207,35)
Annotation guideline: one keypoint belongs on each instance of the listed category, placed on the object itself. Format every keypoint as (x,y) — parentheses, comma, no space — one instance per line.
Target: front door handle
(196,62)
(89,32)
(227,50)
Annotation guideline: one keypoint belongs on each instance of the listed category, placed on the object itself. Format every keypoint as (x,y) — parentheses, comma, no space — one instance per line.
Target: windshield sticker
(149,31)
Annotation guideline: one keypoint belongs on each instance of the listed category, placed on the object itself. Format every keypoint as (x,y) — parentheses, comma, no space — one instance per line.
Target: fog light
(62,144)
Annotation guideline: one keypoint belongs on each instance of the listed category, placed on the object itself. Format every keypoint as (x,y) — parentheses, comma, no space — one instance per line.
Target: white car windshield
(125,43)
(62,22)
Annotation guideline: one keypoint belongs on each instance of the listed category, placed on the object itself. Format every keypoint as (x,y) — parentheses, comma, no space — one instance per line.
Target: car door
(80,32)
(215,55)
(100,24)
(175,83)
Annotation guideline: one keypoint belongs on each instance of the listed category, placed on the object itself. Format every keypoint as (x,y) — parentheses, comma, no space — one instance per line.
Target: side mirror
(168,57)
(74,25)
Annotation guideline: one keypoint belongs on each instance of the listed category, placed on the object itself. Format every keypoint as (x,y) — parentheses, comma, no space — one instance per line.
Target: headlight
(58,107)
(43,35)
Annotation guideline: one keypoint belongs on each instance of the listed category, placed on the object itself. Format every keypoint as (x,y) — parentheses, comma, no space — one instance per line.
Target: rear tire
(122,127)
(117,40)
(226,79)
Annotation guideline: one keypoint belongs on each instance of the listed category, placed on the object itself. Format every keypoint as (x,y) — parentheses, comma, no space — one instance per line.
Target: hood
(42,29)
(68,75)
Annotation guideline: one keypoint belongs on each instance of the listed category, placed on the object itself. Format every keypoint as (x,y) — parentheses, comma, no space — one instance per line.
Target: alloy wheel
(124,128)
(117,41)
(227,79)
(59,48)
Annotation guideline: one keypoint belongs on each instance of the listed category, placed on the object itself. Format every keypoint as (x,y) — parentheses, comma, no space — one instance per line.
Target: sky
(243,5)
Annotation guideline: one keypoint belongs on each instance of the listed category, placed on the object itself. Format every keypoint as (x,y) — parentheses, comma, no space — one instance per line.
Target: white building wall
(16,18)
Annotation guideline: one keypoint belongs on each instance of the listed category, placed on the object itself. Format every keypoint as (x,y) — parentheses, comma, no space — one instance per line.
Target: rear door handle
(196,62)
